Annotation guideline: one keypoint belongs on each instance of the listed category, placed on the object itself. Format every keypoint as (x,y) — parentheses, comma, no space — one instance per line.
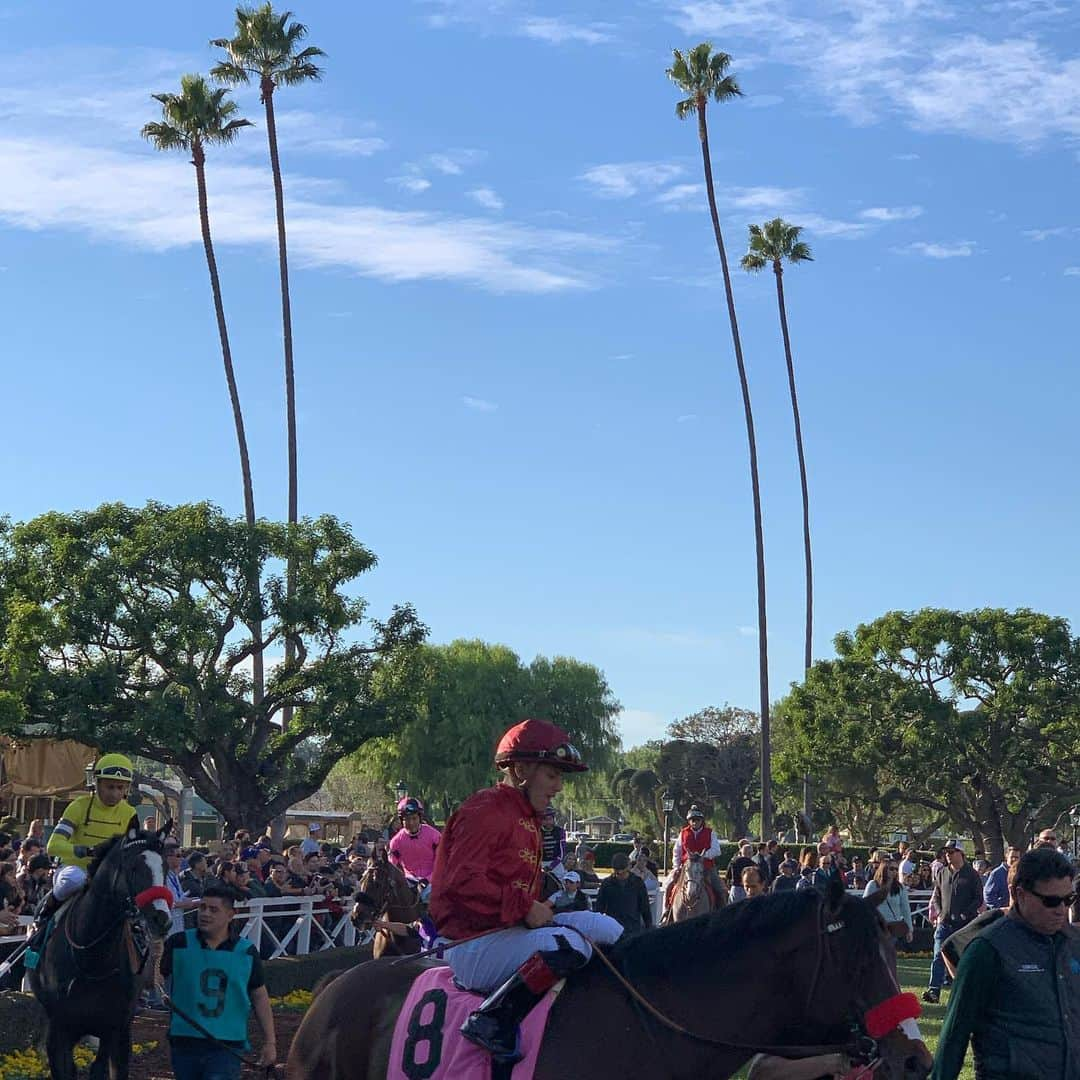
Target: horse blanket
(427,1042)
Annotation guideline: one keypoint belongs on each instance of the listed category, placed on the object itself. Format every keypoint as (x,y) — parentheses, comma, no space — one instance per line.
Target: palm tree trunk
(759,538)
(198,159)
(809,640)
(286,333)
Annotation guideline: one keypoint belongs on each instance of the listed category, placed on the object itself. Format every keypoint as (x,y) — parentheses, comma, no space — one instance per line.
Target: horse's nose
(159,922)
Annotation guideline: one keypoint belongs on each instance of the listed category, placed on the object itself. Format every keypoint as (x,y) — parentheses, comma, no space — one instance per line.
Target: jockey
(89,820)
(552,844)
(413,846)
(696,838)
(487,882)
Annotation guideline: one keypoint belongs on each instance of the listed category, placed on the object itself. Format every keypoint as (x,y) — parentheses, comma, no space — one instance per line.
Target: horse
(384,892)
(89,973)
(771,975)
(691,896)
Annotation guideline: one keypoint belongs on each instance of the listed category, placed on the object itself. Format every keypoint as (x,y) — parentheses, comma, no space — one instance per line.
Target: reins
(270,1070)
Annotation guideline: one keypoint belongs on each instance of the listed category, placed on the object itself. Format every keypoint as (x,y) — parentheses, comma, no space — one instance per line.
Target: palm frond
(686,108)
(226,71)
(800,252)
(754,261)
(198,114)
(165,136)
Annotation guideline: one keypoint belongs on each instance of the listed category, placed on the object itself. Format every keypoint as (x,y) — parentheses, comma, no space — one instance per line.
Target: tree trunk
(759,540)
(287,338)
(808,644)
(198,159)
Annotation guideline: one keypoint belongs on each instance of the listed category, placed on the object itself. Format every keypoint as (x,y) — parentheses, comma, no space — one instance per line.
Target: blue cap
(249,853)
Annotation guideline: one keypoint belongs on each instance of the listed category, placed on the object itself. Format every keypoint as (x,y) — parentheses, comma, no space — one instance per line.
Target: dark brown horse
(385,893)
(90,968)
(793,970)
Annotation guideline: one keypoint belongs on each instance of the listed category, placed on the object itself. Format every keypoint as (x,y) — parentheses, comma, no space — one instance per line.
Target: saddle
(427,1042)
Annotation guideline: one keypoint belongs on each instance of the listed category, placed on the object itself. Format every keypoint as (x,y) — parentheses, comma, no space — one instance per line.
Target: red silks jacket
(487,866)
(701,842)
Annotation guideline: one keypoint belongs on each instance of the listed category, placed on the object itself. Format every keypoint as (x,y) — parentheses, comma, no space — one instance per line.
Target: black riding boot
(46,909)
(494,1026)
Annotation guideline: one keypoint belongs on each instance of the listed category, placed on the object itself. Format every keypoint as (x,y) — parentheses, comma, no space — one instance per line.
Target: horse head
(693,879)
(381,888)
(130,870)
(886,1016)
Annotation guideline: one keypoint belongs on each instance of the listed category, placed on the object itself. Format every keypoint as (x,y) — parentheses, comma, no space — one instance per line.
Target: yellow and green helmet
(114,767)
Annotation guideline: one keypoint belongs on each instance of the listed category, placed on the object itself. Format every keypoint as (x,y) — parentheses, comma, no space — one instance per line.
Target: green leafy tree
(126,630)
(703,75)
(190,121)
(473,691)
(775,243)
(972,716)
(265,46)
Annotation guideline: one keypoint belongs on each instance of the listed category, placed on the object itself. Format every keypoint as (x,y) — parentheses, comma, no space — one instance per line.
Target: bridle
(862,1047)
(130,910)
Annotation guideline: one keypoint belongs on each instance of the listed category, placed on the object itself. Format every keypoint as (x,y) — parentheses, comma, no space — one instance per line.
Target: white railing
(292,926)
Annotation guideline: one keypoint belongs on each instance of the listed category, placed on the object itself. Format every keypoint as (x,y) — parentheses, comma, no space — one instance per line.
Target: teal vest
(211,986)
(1032,1027)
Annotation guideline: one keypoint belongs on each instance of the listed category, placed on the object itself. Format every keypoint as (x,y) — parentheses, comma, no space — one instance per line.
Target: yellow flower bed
(298,1000)
(31,1065)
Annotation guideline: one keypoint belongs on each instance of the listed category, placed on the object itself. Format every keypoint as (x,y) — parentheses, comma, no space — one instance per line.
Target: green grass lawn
(914,975)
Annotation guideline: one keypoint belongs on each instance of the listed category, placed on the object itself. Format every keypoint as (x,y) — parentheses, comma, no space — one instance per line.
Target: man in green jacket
(1017,990)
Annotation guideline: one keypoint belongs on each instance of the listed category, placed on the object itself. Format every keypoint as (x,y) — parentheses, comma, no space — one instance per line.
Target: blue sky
(514,370)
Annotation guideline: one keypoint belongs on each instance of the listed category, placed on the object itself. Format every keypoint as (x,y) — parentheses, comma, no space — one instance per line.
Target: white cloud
(148,200)
(638,726)
(479,404)
(763,101)
(891,213)
(1072,271)
(1038,235)
(454,162)
(747,631)
(316,133)
(905,157)
(912,58)
(620,180)
(686,418)
(559,31)
(958,250)
(485,197)
(682,197)
(411,183)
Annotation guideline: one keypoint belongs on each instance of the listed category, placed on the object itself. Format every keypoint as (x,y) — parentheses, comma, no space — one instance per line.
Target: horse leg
(59,1047)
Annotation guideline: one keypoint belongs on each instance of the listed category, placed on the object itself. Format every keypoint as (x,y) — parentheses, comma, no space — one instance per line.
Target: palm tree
(776,242)
(702,74)
(265,47)
(195,118)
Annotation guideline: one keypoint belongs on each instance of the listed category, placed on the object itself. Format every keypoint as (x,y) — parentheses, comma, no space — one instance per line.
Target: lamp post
(402,790)
(668,804)
(91,782)
(1074,821)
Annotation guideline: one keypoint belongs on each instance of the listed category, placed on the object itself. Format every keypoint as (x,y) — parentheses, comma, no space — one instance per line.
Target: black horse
(89,973)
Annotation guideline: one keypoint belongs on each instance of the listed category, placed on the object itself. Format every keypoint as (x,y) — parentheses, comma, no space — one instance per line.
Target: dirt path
(155,1065)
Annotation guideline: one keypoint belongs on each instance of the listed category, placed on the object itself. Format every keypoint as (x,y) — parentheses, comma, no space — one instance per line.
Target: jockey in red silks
(487,882)
(696,838)
(412,847)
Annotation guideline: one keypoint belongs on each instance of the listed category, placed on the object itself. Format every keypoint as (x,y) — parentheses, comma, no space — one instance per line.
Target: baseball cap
(952,845)
(619,861)
(791,864)
(171,843)
(40,862)
(571,875)
(314,827)
(249,853)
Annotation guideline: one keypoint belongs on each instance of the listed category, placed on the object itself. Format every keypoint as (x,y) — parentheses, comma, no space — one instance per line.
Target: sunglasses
(1053,901)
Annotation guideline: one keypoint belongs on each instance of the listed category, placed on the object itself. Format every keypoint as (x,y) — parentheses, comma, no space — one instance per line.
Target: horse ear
(133,828)
(834,895)
(163,832)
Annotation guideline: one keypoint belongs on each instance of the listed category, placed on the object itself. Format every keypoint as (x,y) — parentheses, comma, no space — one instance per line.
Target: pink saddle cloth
(428,1044)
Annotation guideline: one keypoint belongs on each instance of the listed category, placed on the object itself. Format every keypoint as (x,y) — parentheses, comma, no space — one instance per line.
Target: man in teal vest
(1017,990)
(215,980)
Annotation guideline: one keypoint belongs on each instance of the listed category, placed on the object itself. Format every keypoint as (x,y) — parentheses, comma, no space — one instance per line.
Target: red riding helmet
(542,741)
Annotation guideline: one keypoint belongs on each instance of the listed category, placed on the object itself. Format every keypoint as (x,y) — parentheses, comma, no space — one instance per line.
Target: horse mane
(725,933)
(103,851)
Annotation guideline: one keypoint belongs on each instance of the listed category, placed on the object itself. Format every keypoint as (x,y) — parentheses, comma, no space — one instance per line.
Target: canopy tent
(46,768)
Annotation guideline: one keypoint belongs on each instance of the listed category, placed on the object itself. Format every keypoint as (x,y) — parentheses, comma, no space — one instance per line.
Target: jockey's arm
(713,850)
(676,857)
(60,844)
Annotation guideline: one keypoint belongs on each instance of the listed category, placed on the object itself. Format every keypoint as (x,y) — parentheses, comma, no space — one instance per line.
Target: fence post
(303,937)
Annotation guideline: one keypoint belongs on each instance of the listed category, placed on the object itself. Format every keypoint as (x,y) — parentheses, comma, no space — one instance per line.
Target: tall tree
(126,632)
(775,243)
(265,46)
(702,75)
(190,121)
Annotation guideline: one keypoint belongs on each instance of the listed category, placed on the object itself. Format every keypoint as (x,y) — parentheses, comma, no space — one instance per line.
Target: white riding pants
(68,881)
(489,961)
